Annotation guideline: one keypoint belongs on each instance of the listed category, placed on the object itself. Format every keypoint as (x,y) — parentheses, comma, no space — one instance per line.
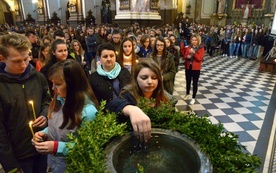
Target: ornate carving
(124,5)
(154,4)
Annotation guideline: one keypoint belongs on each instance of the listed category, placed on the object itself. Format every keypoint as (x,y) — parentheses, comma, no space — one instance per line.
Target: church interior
(232,91)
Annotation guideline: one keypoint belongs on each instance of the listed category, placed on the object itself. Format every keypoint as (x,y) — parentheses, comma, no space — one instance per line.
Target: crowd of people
(67,71)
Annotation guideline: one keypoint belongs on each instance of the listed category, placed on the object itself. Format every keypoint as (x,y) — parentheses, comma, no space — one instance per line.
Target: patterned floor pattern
(235,93)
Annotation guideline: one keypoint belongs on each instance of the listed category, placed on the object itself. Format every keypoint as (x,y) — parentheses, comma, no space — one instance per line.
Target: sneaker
(186,97)
(192,101)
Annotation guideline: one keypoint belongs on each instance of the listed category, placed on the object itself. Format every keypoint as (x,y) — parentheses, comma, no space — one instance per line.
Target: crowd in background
(231,41)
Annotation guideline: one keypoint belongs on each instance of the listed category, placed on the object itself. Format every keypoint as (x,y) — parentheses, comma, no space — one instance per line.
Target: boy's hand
(41,121)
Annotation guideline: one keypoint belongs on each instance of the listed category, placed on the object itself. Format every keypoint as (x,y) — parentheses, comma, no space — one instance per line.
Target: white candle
(32,104)
(31,127)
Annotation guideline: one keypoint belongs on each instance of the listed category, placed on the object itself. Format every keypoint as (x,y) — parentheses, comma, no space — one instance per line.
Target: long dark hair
(77,89)
(158,93)
(53,48)
(164,54)
(120,58)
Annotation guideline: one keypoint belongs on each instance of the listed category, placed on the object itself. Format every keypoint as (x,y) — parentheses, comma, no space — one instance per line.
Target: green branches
(222,146)
(87,153)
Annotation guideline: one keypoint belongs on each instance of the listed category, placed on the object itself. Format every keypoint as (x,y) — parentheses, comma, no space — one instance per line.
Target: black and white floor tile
(235,93)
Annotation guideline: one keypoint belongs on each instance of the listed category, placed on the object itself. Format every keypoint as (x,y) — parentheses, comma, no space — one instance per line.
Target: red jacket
(196,60)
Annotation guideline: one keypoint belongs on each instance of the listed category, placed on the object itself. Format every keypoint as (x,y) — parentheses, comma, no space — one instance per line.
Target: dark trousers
(192,74)
(226,48)
(35,164)
(90,56)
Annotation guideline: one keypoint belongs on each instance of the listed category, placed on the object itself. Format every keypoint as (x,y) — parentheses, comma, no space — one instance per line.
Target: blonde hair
(198,37)
(16,41)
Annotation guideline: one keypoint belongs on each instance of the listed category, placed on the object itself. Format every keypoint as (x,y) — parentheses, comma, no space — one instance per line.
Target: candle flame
(31,102)
(31,128)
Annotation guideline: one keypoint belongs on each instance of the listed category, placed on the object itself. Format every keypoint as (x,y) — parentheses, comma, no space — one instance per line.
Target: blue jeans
(255,51)
(237,48)
(37,163)
(232,48)
(244,48)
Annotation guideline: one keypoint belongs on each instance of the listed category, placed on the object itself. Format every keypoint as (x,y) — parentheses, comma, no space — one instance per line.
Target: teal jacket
(57,161)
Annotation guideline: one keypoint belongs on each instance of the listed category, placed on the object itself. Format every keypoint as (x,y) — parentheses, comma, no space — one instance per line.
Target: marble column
(42,7)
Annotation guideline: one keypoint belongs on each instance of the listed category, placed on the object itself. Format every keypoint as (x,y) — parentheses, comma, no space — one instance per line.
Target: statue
(247,10)
(105,11)
(273,6)
(143,5)
(221,6)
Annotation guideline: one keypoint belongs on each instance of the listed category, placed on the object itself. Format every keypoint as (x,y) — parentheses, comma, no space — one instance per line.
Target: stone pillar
(268,19)
(75,11)
(42,12)
(18,12)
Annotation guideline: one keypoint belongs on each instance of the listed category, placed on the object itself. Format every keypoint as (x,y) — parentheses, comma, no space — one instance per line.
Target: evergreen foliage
(222,147)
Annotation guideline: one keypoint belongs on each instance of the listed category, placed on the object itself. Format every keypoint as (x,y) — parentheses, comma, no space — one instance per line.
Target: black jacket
(101,85)
(16,113)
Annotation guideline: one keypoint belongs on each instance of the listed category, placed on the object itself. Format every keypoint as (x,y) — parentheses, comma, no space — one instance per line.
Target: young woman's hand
(44,147)
(140,122)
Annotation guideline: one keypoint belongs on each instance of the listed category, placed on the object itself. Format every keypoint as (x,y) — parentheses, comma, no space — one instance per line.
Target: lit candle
(31,127)
(32,104)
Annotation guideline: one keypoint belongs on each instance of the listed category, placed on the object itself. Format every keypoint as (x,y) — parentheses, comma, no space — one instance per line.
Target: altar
(137,11)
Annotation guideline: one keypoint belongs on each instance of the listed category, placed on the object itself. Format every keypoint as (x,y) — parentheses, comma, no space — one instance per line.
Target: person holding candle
(127,56)
(20,82)
(73,103)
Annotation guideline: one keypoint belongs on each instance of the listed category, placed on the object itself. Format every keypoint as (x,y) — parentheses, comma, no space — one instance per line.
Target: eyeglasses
(160,45)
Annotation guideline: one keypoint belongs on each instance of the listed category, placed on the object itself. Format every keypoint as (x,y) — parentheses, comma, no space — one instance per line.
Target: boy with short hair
(20,83)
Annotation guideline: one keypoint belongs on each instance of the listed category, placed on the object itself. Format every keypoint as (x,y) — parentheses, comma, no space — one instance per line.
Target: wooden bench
(268,66)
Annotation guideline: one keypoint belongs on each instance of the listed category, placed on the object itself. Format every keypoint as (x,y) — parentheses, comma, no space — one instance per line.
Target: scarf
(111,74)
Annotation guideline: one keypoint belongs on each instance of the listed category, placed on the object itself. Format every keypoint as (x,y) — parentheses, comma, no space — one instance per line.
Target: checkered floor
(235,93)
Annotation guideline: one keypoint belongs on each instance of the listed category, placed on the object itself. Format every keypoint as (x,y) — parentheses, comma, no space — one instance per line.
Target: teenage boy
(20,83)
